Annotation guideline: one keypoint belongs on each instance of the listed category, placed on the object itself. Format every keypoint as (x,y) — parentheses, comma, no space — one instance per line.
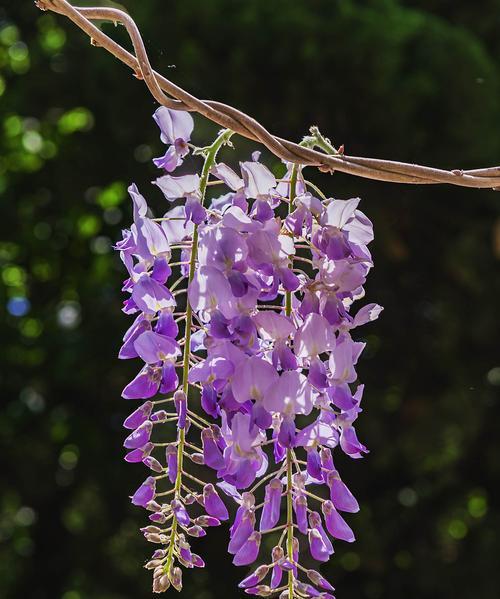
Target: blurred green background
(416,81)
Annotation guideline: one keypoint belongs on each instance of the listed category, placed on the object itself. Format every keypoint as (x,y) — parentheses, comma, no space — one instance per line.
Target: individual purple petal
(178,187)
(150,239)
(169,378)
(161,269)
(138,416)
(317,374)
(366,314)
(257,178)
(341,396)
(140,436)
(249,551)
(230,491)
(319,550)
(194,210)
(172,157)
(241,532)
(173,124)
(175,226)
(254,379)
(144,385)
(211,453)
(318,432)
(254,578)
(180,512)
(213,503)
(140,325)
(325,455)
(316,523)
(180,402)
(350,443)
(145,493)
(314,464)
(314,337)
(272,326)
(222,172)
(272,501)
(341,497)
(210,290)
(335,524)
(152,347)
(286,435)
(339,212)
(209,401)
(289,279)
(300,508)
(283,357)
(343,359)
(137,455)
(150,296)
(166,325)
(171,456)
(278,450)
(291,394)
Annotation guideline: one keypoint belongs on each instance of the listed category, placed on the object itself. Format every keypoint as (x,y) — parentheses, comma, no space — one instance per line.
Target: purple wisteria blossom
(245,326)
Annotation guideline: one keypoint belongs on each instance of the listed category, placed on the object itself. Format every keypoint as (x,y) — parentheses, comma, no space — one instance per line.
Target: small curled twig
(174,97)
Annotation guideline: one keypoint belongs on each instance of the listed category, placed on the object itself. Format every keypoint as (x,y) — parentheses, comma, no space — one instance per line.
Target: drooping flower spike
(265,366)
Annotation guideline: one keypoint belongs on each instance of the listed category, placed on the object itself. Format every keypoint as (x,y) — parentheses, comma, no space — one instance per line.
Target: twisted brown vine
(231,118)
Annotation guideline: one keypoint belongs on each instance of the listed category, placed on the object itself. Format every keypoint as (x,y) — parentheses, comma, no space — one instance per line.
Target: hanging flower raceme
(266,356)
(164,434)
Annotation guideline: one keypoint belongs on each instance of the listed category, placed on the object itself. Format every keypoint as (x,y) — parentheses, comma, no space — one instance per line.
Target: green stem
(289,518)
(289,461)
(210,156)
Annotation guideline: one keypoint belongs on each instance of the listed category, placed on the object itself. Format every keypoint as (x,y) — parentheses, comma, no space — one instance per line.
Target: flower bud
(175,577)
(161,584)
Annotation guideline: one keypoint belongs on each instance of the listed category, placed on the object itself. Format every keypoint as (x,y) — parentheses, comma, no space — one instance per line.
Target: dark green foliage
(416,81)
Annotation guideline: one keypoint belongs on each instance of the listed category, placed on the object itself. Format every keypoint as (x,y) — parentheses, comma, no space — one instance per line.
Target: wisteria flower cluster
(243,324)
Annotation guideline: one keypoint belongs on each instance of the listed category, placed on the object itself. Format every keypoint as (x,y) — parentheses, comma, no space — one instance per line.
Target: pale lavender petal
(173,124)
(178,187)
(314,337)
(152,347)
(150,296)
(258,179)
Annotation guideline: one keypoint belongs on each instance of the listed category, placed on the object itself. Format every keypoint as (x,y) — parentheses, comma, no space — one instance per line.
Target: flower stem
(289,519)
(210,156)
(289,461)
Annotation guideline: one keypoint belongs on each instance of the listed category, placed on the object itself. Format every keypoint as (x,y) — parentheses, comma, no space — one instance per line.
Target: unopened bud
(197,458)
(155,538)
(150,529)
(152,564)
(153,464)
(153,506)
(196,531)
(176,578)
(161,584)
